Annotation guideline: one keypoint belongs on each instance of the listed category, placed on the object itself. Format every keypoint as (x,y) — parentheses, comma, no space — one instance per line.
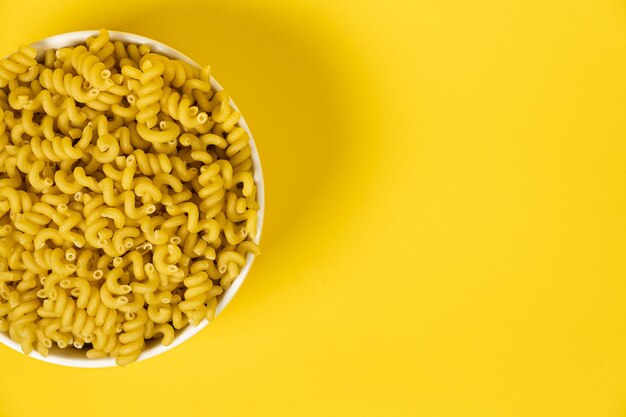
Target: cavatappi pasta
(127,200)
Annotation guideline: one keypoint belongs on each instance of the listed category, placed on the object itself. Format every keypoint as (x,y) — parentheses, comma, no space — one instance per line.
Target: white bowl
(73,357)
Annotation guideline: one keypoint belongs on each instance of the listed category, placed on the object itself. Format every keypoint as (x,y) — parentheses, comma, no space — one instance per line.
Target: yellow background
(446,212)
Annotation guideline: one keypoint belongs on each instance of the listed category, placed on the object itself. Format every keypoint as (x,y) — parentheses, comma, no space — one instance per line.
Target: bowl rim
(72,358)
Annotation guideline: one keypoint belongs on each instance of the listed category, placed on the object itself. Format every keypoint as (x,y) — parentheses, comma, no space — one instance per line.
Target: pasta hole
(98,274)
(202,118)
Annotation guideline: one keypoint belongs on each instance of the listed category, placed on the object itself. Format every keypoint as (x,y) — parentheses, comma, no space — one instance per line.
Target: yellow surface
(446,212)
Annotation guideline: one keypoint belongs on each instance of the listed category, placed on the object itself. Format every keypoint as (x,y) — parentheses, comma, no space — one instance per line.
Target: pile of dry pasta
(127,199)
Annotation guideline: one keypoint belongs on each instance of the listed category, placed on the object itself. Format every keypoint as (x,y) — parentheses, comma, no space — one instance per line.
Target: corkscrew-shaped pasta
(199,288)
(17,64)
(180,108)
(238,149)
(91,68)
(211,188)
(102,47)
(55,150)
(22,317)
(149,88)
(152,164)
(127,198)
(175,71)
(132,339)
(57,81)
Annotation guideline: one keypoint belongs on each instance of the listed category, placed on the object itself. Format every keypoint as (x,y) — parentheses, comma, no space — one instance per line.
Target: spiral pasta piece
(22,318)
(132,339)
(149,92)
(17,64)
(175,71)
(58,81)
(179,108)
(198,286)
(91,68)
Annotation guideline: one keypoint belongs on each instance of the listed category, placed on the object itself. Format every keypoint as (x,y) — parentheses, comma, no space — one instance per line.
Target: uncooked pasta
(127,197)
